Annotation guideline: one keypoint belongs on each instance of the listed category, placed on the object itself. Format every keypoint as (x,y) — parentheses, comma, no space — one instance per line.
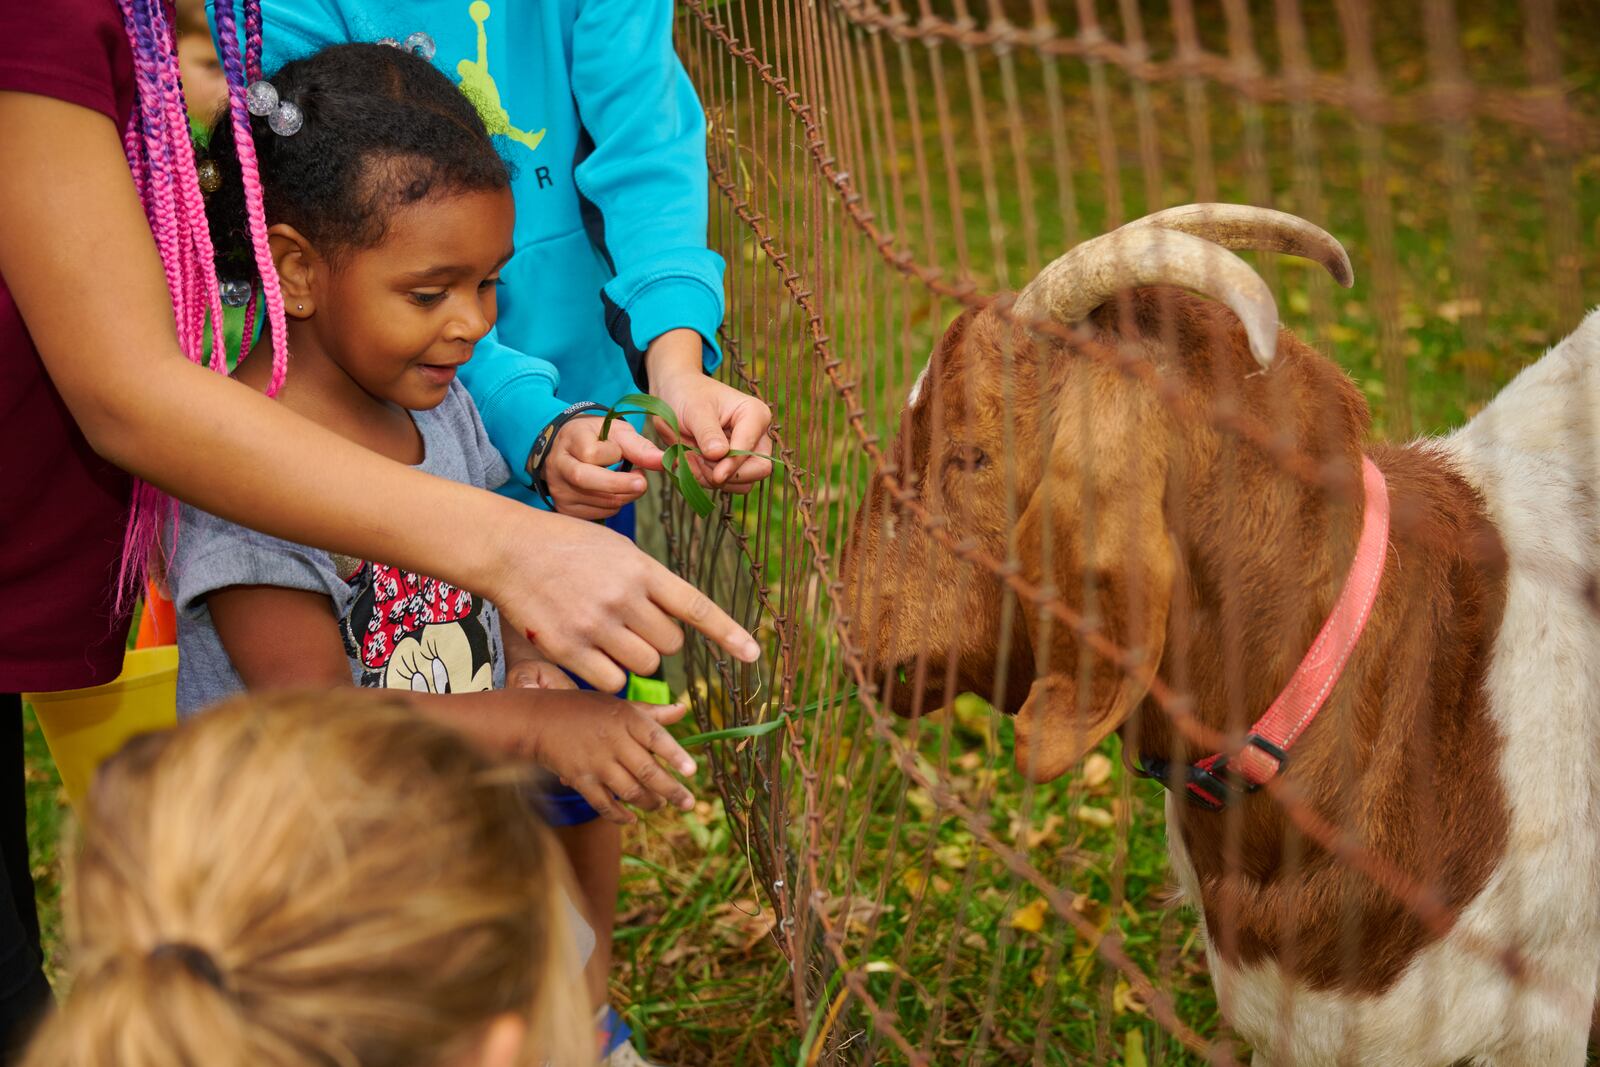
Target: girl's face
(402,317)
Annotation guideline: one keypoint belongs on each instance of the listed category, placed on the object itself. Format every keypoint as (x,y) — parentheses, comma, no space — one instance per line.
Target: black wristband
(547,436)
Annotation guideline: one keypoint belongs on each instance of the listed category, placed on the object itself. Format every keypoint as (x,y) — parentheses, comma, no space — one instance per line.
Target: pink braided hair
(161,158)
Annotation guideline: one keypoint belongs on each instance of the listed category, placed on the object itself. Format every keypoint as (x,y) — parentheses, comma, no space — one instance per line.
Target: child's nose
(471,324)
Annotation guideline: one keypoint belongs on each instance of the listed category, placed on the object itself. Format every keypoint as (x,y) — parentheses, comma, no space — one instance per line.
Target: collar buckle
(1212,783)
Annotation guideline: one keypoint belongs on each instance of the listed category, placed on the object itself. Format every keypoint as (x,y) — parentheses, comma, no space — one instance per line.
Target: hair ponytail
(147,1010)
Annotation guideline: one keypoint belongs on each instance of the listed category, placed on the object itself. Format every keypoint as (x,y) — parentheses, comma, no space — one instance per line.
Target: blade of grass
(756,729)
(640,404)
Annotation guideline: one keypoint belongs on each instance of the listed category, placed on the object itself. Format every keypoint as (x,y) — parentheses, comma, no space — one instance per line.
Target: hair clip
(235,294)
(284,117)
(418,44)
(210,176)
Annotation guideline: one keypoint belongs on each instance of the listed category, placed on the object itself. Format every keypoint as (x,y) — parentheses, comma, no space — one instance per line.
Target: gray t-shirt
(401,630)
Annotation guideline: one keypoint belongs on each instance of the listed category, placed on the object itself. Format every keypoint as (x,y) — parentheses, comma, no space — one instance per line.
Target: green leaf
(755,729)
(692,491)
(640,404)
(777,464)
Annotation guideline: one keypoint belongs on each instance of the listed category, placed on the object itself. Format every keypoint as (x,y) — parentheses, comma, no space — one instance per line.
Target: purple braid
(248,333)
(252,39)
(161,158)
(250,175)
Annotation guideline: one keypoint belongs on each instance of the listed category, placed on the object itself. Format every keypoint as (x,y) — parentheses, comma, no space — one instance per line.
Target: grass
(48,816)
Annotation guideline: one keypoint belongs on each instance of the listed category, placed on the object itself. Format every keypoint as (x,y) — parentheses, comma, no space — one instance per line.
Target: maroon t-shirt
(62,507)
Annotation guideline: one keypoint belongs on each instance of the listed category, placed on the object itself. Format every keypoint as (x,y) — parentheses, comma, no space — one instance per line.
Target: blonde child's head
(315,879)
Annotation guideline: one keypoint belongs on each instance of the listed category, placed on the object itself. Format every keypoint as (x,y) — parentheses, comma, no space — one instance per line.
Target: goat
(1461,744)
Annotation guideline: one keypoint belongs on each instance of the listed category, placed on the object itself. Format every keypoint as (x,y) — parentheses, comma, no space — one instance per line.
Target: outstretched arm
(605,748)
(78,257)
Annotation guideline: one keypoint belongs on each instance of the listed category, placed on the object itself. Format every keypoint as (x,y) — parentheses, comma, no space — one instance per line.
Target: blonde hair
(312,879)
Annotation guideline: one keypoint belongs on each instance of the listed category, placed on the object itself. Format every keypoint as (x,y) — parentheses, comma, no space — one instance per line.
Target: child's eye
(427,299)
(488,282)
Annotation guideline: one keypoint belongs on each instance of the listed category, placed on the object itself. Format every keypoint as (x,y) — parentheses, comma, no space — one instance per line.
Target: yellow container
(84,726)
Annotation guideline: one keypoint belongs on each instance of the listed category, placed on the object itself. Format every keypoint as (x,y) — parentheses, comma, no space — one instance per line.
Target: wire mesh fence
(1123,527)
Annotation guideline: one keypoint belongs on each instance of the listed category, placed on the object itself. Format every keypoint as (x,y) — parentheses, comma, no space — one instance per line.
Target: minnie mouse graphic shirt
(401,630)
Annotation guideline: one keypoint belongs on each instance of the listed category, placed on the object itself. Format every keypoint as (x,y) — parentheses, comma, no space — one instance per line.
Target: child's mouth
(438,373)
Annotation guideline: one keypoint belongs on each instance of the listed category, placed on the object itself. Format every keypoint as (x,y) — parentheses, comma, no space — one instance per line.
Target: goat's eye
(968,457)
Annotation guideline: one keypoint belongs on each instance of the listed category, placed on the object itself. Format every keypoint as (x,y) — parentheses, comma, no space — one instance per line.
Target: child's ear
(502,1042)
(297,265)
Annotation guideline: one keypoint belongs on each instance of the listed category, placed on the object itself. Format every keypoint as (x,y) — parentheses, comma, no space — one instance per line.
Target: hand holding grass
(612,751)
(725,430)
(577,470)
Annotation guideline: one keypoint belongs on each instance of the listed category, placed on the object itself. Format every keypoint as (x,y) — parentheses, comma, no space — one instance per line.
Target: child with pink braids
(106,284)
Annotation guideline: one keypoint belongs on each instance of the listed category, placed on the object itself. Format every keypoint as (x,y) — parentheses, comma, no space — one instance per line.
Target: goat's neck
(1400,747)
(1261,566)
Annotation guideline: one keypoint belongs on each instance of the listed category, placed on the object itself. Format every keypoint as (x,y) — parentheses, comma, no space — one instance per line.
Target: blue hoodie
(587,100)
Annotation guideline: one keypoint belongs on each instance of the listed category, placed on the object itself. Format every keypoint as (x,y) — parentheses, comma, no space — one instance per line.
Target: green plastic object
(649,690)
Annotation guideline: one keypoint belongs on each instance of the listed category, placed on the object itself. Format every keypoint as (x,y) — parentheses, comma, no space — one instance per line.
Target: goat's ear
(1109,556)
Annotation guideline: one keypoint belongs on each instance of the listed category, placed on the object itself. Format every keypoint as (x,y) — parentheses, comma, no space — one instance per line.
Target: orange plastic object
(158,622)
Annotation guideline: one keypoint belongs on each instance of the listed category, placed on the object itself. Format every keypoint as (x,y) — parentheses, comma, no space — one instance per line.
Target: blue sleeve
(516,398)
(646,175)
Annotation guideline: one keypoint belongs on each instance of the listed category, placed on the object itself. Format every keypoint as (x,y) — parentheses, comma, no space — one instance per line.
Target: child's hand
(576,471)
(607,749)
(715,417)
(537,674)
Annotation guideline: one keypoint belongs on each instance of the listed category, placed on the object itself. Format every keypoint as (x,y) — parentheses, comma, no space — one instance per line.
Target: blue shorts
(559,804)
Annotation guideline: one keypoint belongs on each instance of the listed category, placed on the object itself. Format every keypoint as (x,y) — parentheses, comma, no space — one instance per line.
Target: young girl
(390,215)
(311,881)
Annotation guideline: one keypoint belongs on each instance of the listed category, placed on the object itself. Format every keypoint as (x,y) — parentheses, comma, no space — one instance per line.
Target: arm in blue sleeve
(516,398)
(646,176)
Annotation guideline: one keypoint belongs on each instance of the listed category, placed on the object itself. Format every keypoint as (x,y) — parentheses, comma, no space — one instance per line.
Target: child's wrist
(674,353)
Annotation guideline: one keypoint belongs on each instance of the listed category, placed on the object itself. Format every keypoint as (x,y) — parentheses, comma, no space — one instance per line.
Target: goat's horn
(1095,271)
(1259,229)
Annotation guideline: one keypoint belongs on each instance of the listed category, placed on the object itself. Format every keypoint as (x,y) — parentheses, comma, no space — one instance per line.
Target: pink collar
(1214,780)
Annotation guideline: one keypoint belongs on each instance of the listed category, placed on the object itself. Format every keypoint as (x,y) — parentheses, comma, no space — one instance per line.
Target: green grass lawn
(48,816)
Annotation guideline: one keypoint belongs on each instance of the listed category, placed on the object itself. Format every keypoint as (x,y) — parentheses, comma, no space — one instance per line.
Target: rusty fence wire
(880,166)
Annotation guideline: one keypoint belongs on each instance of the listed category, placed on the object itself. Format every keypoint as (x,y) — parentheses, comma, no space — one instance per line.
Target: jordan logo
(478,85)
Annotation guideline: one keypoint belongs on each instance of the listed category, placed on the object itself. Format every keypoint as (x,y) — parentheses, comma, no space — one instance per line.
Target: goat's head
(1020,446)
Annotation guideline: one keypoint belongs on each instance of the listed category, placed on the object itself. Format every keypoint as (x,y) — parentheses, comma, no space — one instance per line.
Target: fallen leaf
(1096,770)
(922,800)
(1039,975)
(1456,310)
(1133,1049)
(1031,837)
(1095,816)
(974,713)
(1124,998)
(1030,917)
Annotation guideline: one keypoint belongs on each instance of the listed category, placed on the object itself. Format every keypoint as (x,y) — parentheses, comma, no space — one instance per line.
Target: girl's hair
(383,129)
(312,880)
(370,117)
